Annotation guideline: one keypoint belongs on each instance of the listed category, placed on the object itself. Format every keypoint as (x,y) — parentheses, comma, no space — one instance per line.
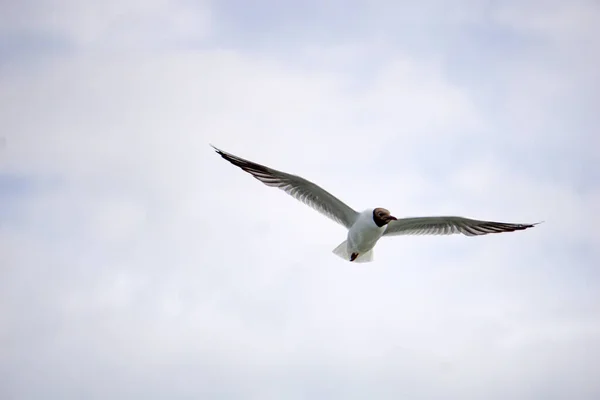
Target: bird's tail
(342,251)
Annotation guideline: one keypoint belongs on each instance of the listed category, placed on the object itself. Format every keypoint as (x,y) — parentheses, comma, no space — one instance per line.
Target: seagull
(367,227)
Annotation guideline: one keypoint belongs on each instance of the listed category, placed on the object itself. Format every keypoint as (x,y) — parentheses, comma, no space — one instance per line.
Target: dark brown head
(382,217)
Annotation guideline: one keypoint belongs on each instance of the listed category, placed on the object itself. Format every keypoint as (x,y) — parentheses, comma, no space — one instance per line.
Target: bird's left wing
(449,225)
(297,187)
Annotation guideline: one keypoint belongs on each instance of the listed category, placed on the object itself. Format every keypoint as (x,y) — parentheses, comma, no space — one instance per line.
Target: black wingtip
(240,162)
(527,226)
(220,152)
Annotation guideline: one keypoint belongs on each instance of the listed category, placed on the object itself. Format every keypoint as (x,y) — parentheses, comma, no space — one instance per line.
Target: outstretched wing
(297,187)
(449,225)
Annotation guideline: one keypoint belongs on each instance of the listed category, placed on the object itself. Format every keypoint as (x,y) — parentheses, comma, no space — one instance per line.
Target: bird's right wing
(448,226)
(297,187)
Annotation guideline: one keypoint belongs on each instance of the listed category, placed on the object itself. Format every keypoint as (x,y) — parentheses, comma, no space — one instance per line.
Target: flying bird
(367,227)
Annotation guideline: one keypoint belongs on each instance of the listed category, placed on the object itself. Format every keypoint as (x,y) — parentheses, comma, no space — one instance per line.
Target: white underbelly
(363,240)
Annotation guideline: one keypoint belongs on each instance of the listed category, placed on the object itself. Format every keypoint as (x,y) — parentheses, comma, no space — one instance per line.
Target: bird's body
(367,227)
(362,237)
(364,234)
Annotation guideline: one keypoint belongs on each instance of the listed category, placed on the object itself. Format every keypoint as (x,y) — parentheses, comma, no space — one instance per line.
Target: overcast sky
(137,264)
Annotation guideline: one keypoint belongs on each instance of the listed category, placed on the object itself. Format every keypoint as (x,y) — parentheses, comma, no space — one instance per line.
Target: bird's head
(382,217)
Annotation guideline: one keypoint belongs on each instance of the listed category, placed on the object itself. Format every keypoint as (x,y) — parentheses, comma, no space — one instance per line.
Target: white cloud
(145,265)
(556,20)
(109,24)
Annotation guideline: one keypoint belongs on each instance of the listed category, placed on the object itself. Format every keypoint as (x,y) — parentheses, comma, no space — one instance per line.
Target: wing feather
(448,225)
(301,189)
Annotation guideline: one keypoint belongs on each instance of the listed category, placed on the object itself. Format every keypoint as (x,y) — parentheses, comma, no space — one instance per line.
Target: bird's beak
(391,218)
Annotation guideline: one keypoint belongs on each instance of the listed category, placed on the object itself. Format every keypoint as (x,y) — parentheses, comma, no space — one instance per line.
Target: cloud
(137,264)
(110,24)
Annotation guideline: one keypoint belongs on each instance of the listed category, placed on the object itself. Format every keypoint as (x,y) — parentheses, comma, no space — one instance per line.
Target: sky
(135,263)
